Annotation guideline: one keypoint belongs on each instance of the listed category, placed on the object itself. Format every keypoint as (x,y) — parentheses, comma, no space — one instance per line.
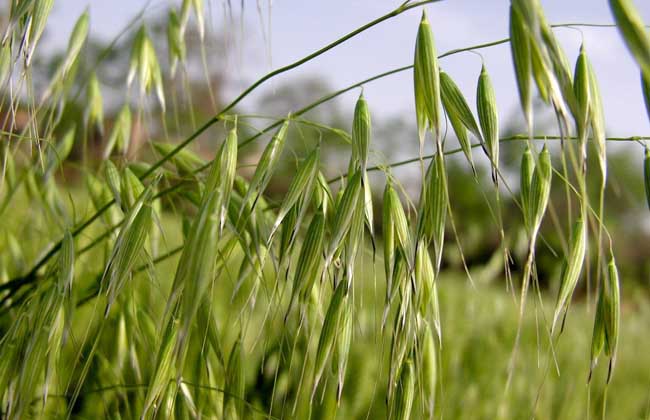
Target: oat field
(162,262)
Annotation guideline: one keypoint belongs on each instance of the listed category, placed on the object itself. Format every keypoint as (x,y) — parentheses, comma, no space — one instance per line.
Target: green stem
(403,8)
(516,137)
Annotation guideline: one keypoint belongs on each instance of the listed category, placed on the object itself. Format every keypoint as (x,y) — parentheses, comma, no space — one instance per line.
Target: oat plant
(141,278)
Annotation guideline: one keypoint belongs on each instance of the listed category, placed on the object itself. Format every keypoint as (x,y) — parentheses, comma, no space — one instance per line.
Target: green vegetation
(141,277)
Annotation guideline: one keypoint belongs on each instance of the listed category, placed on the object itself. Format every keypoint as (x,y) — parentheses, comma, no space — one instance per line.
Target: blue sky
(302,26)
